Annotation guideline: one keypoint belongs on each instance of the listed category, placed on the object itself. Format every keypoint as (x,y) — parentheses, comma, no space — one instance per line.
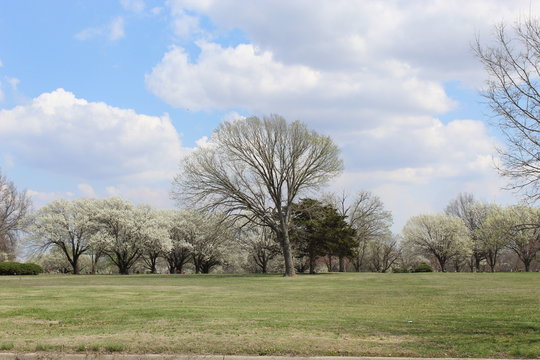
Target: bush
(15,268)
(400,270)
(423,267)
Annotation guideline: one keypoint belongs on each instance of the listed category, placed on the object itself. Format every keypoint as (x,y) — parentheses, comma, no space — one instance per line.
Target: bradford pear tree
(492,236)
(68,226)
(256,168)
(438,235)
(179,253)
(126,231)
(209,237)
(260,243)
(155,237)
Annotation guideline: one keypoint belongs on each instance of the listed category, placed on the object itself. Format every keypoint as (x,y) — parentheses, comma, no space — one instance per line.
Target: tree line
(246,192)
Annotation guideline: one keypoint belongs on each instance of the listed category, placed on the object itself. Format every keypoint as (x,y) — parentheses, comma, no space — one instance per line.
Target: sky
(103,98)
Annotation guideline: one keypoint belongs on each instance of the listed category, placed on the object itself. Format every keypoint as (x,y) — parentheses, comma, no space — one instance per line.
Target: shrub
(423,267)
(400,270)
(15,268)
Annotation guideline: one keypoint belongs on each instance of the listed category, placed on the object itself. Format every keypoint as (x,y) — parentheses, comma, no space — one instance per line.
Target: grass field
(426,315)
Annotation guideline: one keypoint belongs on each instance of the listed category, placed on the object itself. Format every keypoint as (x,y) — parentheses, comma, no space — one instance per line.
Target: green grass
(426,315)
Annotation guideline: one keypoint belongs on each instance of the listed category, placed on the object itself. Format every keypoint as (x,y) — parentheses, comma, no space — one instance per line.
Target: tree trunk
(123,269)
(341,264)
(75,265)
(283,236)
(477,260)
(312,260)
(527,264)
(442,264)
(329,263)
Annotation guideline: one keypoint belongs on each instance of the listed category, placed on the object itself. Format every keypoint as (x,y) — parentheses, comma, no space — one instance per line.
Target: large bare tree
(14,206)
(473,214)
(367,216)
(256,168)
(512,91)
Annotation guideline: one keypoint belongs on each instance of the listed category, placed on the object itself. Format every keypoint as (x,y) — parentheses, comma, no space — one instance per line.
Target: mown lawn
(427,315)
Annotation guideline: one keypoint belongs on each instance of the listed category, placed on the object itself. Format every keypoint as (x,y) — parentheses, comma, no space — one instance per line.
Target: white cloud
(136,6)
(116,28)
(112,31)
(67,135)
(245,77)
(432,37)
(86,190)
(7,160)
(156,196)
(13,82)
(156,10)
(41,198)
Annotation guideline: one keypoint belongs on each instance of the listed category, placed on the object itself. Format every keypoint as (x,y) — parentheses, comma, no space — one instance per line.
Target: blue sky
(101,98)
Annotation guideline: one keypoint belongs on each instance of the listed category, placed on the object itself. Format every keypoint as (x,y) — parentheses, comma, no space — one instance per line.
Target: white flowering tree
(209,236)
(68,226)
(492,234)
(127,232)
(154,236)
(179,253)
(438,235)
(261,245)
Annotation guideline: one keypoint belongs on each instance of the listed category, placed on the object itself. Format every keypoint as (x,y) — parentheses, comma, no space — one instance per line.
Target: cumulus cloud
(246,77)
(432,37)
(67,135)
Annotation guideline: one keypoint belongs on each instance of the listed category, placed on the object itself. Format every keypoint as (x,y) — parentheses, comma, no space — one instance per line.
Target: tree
(524,233)
(179,253)
(383,253)
(319,230)
(438,235)
(155,237)
(513,93)
(66,225)
(367,216)
(473,214)
(256,168)
(209,237)
(493,235)
(126,231)
(14,206)
(260,243)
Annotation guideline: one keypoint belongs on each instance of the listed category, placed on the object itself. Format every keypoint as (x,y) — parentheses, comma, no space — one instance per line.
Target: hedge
(15,268)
